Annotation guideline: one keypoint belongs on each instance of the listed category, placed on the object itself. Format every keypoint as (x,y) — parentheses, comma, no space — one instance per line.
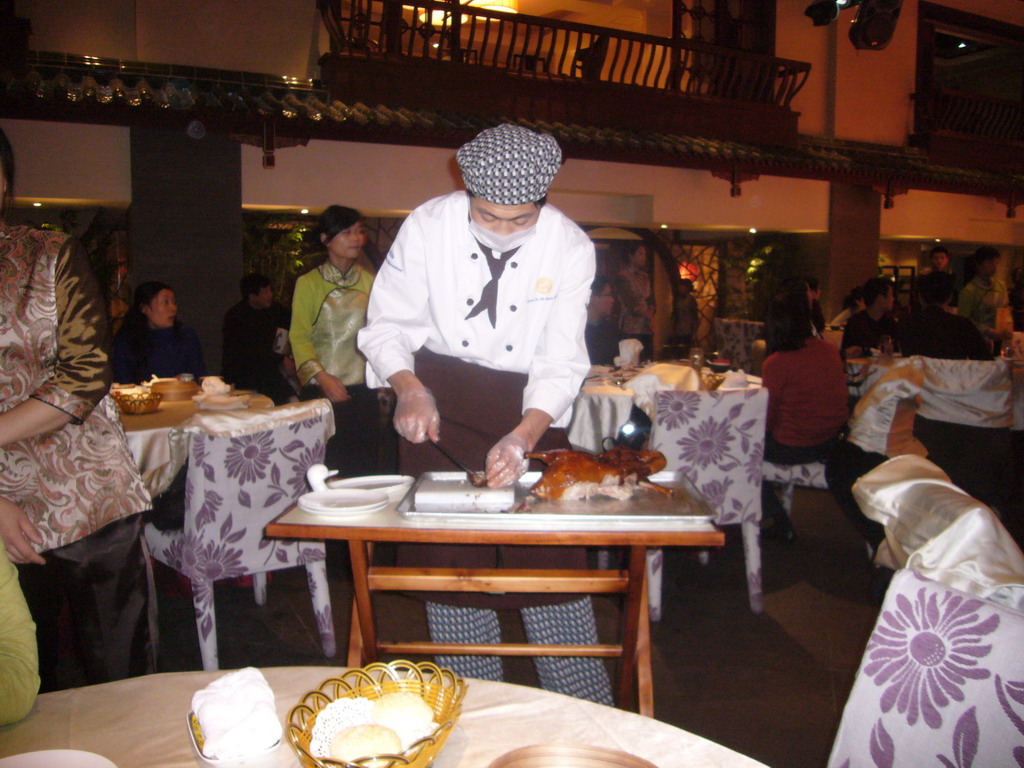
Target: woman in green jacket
(328,309)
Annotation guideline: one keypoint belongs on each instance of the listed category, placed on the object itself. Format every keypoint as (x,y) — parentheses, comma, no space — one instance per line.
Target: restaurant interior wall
(377,178)
(61,161)
(924,214)
(280,37)
(858,94)
(186,226)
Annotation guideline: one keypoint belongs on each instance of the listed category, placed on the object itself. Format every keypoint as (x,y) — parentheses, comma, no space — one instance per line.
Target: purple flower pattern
(249,457)
(234,487)
(706,444)
(717,440)
(674,409)
(940,684)
(925,650)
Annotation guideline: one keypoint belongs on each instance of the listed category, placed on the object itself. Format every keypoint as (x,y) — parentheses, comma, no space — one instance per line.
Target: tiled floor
(770,686)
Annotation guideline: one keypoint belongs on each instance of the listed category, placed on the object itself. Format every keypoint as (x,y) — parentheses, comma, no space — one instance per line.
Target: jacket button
(508,347)
(473,256)
(465,343)
(514,264)
(512,308)
(469,302)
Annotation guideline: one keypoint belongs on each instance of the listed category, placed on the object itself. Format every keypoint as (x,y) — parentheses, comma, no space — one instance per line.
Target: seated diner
(153,341)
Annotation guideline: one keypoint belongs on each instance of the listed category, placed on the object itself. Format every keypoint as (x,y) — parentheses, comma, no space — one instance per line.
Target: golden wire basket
(439,688)
(136,403)
(712,381)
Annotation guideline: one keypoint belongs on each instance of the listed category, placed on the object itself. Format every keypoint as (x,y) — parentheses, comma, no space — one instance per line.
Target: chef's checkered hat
(509,164)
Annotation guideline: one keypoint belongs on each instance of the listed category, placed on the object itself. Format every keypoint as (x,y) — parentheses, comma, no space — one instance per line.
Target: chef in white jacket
(476,320)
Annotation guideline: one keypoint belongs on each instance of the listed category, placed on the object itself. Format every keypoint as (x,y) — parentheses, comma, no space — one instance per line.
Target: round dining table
(147,432)
(141,723)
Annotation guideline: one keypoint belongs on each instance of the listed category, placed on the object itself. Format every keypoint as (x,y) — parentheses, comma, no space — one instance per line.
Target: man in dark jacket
(253,355)
(934,331)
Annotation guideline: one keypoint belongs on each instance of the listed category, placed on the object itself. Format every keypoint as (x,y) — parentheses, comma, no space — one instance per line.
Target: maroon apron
(478,407)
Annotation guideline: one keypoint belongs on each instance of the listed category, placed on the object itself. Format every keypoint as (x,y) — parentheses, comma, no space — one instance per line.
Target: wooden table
(388,525)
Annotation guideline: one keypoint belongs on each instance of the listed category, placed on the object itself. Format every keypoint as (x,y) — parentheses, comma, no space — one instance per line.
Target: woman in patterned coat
(69,490)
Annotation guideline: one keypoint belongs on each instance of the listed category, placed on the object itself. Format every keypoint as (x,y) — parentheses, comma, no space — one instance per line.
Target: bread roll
(403,711)
(364,741)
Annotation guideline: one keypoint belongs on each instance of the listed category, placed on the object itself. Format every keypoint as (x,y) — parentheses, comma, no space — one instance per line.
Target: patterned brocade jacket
(53,347)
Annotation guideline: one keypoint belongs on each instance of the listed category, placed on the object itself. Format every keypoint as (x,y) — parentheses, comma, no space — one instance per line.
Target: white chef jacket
(434,275)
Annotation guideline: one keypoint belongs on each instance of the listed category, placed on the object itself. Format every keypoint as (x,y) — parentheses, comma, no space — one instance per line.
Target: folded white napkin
(237,715)
(629,353)
(221,402)
(661,376)
(215,385)
(734,380)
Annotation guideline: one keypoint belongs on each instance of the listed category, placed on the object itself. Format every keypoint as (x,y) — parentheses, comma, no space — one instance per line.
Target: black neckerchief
(489,296)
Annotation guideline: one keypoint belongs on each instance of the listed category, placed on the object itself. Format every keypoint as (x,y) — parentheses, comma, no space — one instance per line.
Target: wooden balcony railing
(968,113)
(552,50)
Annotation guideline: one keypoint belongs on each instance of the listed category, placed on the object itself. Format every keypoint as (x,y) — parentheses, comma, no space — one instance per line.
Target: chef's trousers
(478,406)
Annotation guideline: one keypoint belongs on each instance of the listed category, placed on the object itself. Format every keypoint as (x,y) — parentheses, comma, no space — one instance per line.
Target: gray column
(186,225)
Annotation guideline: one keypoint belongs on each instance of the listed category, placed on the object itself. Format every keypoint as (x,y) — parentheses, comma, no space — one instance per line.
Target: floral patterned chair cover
(788,476)
(735,339)
(941,683)
(717,439)
(246,468)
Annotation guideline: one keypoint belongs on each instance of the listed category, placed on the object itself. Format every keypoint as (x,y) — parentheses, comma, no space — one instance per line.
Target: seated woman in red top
(807,400)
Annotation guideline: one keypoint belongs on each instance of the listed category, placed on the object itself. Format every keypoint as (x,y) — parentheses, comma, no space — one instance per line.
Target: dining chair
(717,440)
(941,682)
(963,420)
(244,469)
(787,477)
(735,338)
(940,531)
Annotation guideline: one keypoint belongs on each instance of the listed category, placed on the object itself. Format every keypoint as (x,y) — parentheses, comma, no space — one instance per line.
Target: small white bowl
(394,486)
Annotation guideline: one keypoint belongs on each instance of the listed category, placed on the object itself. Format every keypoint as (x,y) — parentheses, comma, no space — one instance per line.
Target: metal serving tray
(646,508)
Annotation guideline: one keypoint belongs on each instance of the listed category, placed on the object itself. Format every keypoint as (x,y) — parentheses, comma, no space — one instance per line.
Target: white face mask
(500,243)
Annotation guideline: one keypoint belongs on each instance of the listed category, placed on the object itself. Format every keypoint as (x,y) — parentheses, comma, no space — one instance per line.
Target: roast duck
(579,475)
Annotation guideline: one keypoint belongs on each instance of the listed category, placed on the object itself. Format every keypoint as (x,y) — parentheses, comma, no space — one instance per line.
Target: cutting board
(453,489)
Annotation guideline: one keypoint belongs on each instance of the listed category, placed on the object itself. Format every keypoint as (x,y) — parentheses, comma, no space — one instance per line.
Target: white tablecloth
(147,434)
(602,407)
(140,723)
(597,413)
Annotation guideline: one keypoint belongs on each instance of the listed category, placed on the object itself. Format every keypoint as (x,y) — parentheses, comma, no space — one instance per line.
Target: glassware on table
(697,358)
(885,346)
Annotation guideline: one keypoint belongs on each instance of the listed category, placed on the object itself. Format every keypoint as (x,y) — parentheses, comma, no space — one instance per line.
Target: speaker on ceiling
(875,23)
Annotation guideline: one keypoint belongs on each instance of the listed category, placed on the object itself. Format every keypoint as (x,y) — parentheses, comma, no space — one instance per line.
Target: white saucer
(343,502)
(65,758)
(394,486)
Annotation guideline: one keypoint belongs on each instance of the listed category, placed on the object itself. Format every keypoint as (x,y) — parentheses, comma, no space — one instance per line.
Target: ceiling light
(962,44)
(304,211)
(752,230)
(664,226)
(823,12)
(503,6)
(37,205)
(938,239)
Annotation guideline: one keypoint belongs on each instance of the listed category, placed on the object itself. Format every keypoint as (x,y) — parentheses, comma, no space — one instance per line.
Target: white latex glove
(506,461)
(416,417)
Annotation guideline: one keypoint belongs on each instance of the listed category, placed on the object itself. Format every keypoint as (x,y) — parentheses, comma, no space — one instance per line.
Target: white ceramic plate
(343,502)
(395,486)
(49,758)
